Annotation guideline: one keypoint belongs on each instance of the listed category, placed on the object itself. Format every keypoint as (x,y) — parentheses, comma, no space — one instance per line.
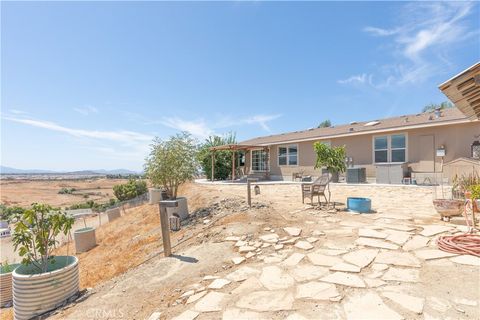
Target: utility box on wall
(356,175)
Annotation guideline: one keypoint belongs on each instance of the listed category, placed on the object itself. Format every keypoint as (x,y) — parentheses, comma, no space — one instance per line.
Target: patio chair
(317,188)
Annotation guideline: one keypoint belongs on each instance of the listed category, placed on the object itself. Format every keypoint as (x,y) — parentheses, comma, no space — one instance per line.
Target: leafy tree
(10,213)
(325,124)
(35,234)
(172,162)
(333,158)
(441,106)
(132,189)
(223,159)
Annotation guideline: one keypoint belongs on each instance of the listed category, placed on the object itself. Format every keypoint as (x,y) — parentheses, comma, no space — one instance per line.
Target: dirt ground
(25,192)
(131,279)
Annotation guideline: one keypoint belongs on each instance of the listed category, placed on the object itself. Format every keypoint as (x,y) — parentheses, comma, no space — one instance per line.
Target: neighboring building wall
(457,140)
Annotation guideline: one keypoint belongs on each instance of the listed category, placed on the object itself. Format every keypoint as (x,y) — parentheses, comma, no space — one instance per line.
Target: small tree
(172,162)
(441,106)
(35,233)
(333,158)
(223,159)
(133,188)
(325,124)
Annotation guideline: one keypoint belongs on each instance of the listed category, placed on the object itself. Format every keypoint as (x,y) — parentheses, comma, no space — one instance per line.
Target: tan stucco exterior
(422,144)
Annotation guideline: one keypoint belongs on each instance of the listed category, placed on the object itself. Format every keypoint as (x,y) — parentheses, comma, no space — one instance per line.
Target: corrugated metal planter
(84,239)
(113,214)
(36,293)
(154,195)
(6,284)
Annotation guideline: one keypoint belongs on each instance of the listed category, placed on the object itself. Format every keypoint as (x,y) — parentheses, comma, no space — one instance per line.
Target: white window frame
(389,147)
(288,155)
(251,160)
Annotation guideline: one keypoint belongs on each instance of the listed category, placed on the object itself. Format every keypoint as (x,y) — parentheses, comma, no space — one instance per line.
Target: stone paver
(370,233)
(196,296)
(249,285)
(242,273)
(345,267)
(319,259)
(232,238)
(218,283)
(368,306)
(269,238)
(397,226)
(361,257)
(403,275)
(187,315)
(238,260)
(415,243)
(429,254)
(370,242)
(374,283)
(408,302)
(236,314)
(245,249)
(304,245)
(211,302)
(331,252)
(431,230)
(308,272)
(155,316)
(396,258)
(316,291)
(398,237)
(274,278)
(266,301)
(346,279)
(294,232)
(466,259)
(293,260)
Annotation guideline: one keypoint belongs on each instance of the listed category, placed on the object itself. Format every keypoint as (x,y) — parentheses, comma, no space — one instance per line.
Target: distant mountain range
(9,170)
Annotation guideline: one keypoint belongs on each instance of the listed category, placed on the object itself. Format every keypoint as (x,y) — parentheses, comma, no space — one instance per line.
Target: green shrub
(10,213)
(223,159)
(66,191)
(333,158)
(132,189)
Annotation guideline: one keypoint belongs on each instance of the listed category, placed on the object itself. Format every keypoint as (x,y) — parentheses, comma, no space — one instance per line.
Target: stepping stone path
(417,242)
(267,301)
(368,306)
(410,303)
(294,232)
(345,279)
(316,291)
(368,242)
(211,302)
(361,258)
(293,260)
(274,278)
(370,233)
(308,272)
(404,275)
(218,283)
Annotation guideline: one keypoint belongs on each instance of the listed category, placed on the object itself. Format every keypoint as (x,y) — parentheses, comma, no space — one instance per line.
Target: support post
(163,205)
(213,164)
(233,165)
(249,190)
(267,160)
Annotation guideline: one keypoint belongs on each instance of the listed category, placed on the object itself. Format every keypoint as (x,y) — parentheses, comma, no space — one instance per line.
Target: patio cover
(464,91)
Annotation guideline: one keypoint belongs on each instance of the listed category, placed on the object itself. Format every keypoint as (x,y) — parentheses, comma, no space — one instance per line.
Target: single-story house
(418,144)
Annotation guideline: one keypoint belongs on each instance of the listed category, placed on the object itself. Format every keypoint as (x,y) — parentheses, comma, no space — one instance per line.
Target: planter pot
(6,284)
(36,293)
(361,205)
(154,195)
(180,211)
(334,175)
(3,224)
(113,214)
(448,208)
(84,239)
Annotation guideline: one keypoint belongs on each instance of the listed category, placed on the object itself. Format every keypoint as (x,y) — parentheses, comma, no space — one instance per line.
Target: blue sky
(87,85)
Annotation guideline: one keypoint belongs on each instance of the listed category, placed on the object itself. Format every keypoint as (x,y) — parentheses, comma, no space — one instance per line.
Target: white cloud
(16,111)
(86,110)
(356,79)
(197,128)
(421,41)
(127,137)
(262,120)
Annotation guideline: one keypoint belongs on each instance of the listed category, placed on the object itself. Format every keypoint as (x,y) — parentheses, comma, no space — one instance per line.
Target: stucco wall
(456,139)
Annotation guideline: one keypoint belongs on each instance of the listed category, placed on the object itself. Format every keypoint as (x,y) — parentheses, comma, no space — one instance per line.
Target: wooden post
(233,165)
(213,164)
(249,190)
(267,159)
(163,205)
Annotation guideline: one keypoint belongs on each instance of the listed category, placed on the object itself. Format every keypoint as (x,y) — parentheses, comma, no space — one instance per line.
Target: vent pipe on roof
(437,113)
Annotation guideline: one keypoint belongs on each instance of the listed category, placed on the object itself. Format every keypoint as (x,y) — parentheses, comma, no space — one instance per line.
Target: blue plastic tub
(362,205)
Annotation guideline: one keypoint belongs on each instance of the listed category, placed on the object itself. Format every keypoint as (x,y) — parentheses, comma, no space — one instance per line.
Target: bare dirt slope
(25,192)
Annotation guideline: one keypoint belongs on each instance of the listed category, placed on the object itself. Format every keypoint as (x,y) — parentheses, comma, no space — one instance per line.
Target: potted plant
(330,159)
(171,163)
(43,281)
(6,270)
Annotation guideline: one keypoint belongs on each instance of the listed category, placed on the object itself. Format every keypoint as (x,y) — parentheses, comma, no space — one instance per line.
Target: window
(390,148)
(259,160)
(288,155)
